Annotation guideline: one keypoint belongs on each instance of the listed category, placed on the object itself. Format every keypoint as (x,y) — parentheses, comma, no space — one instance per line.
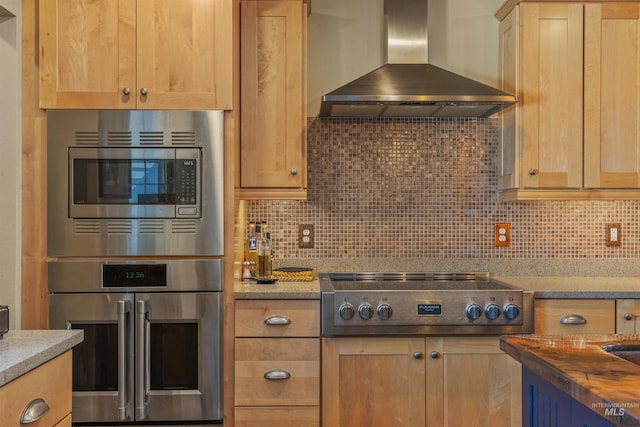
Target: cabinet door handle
(434,355)
(277,374)
(277,320)
(628,316)
(573,319)
(126,91)
(294,171)
(143,91)
(532,172)
(34,410)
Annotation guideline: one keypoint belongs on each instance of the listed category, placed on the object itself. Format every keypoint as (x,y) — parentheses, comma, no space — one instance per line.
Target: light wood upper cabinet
(576,70)
(129,54)
(273,99)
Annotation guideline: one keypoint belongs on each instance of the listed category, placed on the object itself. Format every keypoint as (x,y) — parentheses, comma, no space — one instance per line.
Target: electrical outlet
(306,236)
(614,235)
(503,234)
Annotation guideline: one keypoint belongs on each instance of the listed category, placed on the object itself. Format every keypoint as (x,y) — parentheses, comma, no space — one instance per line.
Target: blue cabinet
(544,405)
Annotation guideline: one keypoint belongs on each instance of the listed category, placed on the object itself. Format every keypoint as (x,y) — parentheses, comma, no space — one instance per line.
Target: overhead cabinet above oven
(134,54)
(575,68)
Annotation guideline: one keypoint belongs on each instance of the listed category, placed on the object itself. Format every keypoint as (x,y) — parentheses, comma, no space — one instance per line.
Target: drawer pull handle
(34,410)
(276,320)
(573,319)
(277,374)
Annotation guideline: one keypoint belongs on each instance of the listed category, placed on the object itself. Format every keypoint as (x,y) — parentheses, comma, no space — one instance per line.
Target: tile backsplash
(412,188)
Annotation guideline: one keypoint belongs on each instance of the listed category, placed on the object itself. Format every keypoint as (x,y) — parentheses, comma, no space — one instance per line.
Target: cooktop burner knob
(365,310)
(384,311)
(511,311)
(346,311)
(473,311)
(492,311)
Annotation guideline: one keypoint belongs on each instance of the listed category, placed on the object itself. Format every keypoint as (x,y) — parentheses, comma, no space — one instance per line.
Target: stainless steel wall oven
(152,339)
(135,183)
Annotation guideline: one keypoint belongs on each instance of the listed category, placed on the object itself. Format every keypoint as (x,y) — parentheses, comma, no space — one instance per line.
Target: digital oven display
(134,275)
(429,309)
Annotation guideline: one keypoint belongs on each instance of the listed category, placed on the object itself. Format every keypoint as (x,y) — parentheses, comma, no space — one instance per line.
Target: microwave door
(179,348)
(103,362)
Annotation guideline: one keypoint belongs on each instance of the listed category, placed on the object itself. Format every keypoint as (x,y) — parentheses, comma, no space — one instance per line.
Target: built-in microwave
(135,183)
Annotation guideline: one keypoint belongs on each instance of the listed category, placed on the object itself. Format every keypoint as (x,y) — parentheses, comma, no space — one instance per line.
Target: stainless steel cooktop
(423,303)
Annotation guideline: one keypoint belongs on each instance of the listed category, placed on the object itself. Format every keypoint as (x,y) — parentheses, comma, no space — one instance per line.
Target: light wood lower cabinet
(434,381)
(575,316)
(627,316)
(277,363)
(50,382)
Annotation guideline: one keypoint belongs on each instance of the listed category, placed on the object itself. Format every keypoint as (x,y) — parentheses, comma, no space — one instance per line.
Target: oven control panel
(435,308)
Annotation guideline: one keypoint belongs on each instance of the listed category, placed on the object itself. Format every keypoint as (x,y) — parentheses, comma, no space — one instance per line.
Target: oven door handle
(142,359)
(124,311)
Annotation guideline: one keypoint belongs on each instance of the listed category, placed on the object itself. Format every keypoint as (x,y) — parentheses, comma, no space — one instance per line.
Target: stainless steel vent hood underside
(408,86)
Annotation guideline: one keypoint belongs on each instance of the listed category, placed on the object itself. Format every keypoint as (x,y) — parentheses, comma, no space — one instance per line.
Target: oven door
(176,337)
(178,348)
(103,362)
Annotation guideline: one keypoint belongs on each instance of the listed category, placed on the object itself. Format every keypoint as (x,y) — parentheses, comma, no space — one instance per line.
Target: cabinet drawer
(51,382)
(299,358)
(277,318)
(568,316)
(278,416)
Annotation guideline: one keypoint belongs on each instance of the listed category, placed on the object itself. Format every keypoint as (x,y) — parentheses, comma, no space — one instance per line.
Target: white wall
(345,41)
(10,157)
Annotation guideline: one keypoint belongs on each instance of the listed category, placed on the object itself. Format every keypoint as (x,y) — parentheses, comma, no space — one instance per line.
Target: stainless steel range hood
(408,86)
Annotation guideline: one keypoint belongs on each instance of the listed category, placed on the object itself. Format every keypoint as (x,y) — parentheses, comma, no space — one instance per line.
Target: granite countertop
(24,350)
(558,287)
(577,365)
(555,287)
(249,289)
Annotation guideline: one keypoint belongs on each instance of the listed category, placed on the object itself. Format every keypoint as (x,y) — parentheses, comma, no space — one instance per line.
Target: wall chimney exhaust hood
(407,86)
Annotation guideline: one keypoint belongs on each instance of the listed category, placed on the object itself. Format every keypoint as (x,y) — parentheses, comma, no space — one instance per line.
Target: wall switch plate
(306,236)
(503,234)
(614,235)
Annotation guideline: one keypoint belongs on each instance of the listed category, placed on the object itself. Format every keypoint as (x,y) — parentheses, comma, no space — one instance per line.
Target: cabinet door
(471,382)
(551,101)
(373,381)
(87,53)
(612,95)
(508,173)
(273,113)
(568,316)
(184,58)
(627,316)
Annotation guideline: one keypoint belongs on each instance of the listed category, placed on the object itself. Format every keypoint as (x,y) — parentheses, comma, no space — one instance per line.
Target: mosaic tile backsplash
(422,187)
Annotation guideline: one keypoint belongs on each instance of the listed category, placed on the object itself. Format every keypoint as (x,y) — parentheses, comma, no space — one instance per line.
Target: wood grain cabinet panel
(277,363)
(575,316)
(135,54)
(417,381)
(273,99)
(51,382)
(573,134)
(628,316)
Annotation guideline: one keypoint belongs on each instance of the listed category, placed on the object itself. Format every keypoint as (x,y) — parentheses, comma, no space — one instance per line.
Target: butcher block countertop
(24,350)
(577,365)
